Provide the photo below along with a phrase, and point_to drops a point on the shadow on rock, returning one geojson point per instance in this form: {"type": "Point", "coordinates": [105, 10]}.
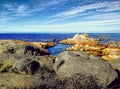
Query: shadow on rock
{"type": "Point", "coordinates": [115, 84]}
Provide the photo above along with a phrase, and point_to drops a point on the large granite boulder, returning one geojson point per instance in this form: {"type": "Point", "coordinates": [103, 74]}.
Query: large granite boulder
{"type": "Point", "coordinates": [70, 63]}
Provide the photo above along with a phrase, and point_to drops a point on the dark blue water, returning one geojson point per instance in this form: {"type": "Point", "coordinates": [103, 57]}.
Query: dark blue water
{"type": "Point", "coordinates": [56, 38]}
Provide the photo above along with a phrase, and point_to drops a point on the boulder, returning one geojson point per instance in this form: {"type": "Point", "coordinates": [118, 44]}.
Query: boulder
{"type": "Point", "coordinates": [27, 66]}
{"type": "Point", "coordinates": [70, 63]}
{"type": "Point", "coordinates": [8, 60]}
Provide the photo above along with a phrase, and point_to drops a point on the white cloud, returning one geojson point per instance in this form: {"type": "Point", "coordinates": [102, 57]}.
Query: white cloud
{"type": "Point", "coordinates": [106, 6]}
{"type": "Point", "coordinates": [22, 8]}
{"type": "Point", "coordinates": [104, 16]}
{"type": "Point", "coordinates": [15, 10]}
{"type": "Point", "coordinates": [9, 7]}
{"type": "Point", "coordinates": [81, 26]}
{"type": "Point", "coordinates": [85, 26]}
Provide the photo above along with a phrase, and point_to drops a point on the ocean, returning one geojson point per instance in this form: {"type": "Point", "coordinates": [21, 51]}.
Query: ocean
{"type": "Point", "coordinates": [56, 37]}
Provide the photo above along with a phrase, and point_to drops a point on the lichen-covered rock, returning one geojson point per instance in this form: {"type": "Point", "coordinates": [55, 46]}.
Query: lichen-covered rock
{"type": "Point", "coordinates": [83, 42]}
{"type": "Point", "coordinates": [74, 62]}
{"type": "Point", "coordinates": [44, 44]}
{"type": "Point", "coordinates": [113, 43]}
{"type": "Point", "coordinates": [20, 47]}
{"type": "Point", "coordinates": [111, 53]}
{"type": "Point", "coordinates": [78, 38]}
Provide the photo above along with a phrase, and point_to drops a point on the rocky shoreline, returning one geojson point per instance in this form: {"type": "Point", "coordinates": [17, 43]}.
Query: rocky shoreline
{"type": "Point", "coordinates": [88, 64]}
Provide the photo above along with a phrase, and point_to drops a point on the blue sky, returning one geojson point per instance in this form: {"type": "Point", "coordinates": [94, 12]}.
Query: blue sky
{"type": "Point", "coordinates": [60, 16]}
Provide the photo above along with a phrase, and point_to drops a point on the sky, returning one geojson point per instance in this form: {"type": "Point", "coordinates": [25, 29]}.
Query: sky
{"type": "Point", "coordinates": [61, 16]}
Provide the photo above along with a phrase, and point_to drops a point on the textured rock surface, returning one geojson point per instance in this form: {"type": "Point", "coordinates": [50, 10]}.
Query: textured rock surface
{"type": "Point", "coordinates": [70, 63]}
{"type": "Point", "coordinates": [116, 64]}
{"type": "Point", "coordinates": [83, 42]}
{"type": "Point", "coordinates": [12, 51]}
{"type": "Point", "coordinates": [27, 66]}
{"type": "Point", "coordinates": [44, 44]}
{"type": "Point", "coordinates": [112, 43]}
{"type": "Point", "coordinates": [20, 47]}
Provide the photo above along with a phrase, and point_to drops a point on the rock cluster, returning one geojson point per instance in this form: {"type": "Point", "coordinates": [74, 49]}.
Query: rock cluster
{"type": "Point", "coordinates": [21, 61]}
{"type": "Point", "coordinates": [83, 42]}
{"type": "Point", "coordinates": [28, 65]}
{"type": "Point", "coordinates": [21, 47]}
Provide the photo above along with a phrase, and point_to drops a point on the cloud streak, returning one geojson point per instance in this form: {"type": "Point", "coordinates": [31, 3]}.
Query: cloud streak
{"type": "Point", "coordinates": [103, 7]}
{"type": "Point", "coordinates": [15, 10]}
{"type": "Point", "coordinates": [84, 26]}
{"type": "Point", "coordinates": [39, 16]}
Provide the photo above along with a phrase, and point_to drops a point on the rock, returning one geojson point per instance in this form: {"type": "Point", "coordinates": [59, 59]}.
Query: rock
{"type": "Point", "coordinates": [115, 64]}
{"type": "Point", "coordinates": [74, 62]}
{"type": "Point", "coordinates": [111, 53]}
{"type": "Point", "coordinates": [44, 44]}
{"type": "Point", "coordinates": [67, 41]}
{"type": "Point", "coordinates": [27, 66]}
{"type": "Point", "coordinates": [104, 37]}
{"type": "Point", "coordinates": [78, 38]}
{"type": "Point", "coordinates": [20, 81]}
{"type": "Point", "coordinates": [7, 60]}
{"type": "Point", "coordinates": [113, 43]}
{"type": "Point", "coordinates": [83, 42]}
{"type": "Point", "coordinates": [20, 47]}
{"type": "Point", "coordinates": [46, 61]}
{"type": "Point", "coordinates": [81, 36]}
{"type": "Point", "coordinates": [78, 81]}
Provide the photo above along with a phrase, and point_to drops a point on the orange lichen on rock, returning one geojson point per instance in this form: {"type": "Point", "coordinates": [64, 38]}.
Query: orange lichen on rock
{"type": "Point", "coordinates": [79, 38]}
{"type": "Point", "coordinates": [83, 42]}
{"type": "Point", "coordinates": [111, 52]}
{"type": "Point", "coordinates": [44, 44]}
{"type": "Point", "coordinates": [39, 45]}
{"type": "Point", "coordinates": [21, 42]}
